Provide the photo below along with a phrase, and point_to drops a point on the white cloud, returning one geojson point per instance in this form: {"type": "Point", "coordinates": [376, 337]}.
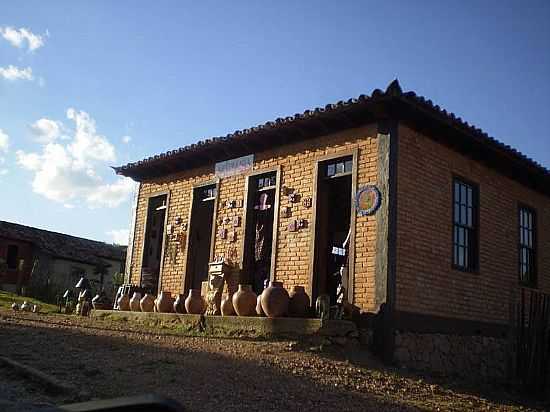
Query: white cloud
{"type": "Point", "coordinates": [111, 195]}
{"type": "Point", "coordinates": [13, 73]}
{"type": "Point", "coordinates": [119, 236]}
{"type": "Point", "coordinates": [22, 38]}
{"type": "Point", "coordinates": [4, 142]}
{"type": "Point", "coordinates": [46, 130]}
{"type": "Point", "coordinates": [126, 139]}
{"type": "Point", "coordinates": [72, 173]}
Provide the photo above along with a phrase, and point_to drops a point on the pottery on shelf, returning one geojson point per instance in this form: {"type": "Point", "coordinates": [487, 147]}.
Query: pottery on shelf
{"type": "Point", "coordinates": [244, 301]}
{"type": "Point", "coordinates": [134, 302]}
{"type": "Point", "coordinates": [259, 310]}
{"type": "Point", "coordinates": [195, 303]}
{"type": "Point", "coordinates": [124, 302]}
{"type": "Point", "coordinates": [164, 302]}
{"type": "Point", "coordinates": [275, 300]}
{"type": "Point", "coordinates": [147, 303]}
{"type": "Point", "coordinates": [179, 304]}
{"type": "Point", "coordinates": [226, 306]}
{"type": "Point", "coordinates": [299, 302]}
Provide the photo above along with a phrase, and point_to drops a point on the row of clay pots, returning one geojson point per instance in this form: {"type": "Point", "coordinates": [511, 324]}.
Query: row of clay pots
{"type": "Point", "coordinates": [273, 302]}
{"type": "Point", "coordinates": [164, 303]}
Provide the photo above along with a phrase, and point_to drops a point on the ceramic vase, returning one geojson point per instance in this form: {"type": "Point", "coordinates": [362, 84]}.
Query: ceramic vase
{"type": "Point", "coordinates": [259, 310]}
{"type": "Point", "coordinates": [85, 308]}
{"type": "Point", "coordinates": [195, 303]}
{"type": "Point", "coordinates": [275, 300]}
{"type": "Point", "coordinates": [124, 302]}
{"type": "Point", "coordinates": [99, 302]}
{"type": "Point", "coordinates": [226, 306]}
{"type": "Point", "coordinates": [147, 303]}
{"type": "Point", "coordinates": [134, 302]}
{"type": "Point", "coordinates": [164, 302]}
{"type": "Point", "coordinates": [299, 302]}
{"type": "Point", "coordinates": [244, 301]}
{"type": "Point", "coordinates": [179, 304]}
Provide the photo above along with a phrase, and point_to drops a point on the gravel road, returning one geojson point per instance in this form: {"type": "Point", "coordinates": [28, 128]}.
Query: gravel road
{"type": "Point", "coordinates": [110, 359]}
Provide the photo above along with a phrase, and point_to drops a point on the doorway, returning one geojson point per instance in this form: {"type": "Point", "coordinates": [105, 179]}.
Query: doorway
{"type": "Point", "coordinates": [153, 242]}
{"type": "Point", "coordinates": [261, 209]}
{"type": "Point", "coordinates": [199, 247]}
{"type": "Point", "coordinates": [333, 228]}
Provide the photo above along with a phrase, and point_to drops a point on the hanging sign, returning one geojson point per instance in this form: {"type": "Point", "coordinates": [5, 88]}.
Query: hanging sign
{"type": "Point", "coordinates": [367, 200]}
{"type": "Point", "coordinates": [234, 167]}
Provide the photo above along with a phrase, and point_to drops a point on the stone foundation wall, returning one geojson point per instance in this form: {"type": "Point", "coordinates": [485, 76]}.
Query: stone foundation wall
{"type": "Point", "coordinates": [474, 357]}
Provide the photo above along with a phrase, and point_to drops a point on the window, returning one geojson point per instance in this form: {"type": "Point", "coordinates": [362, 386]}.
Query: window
{"type": "Point", "coordinates": [465, 239]}
{"type": "Point", "coordinates": [339, 167]}
{"type": "Point", "coordinates": [527, 245]}
{"type": "Point", "coordinates": [208, 193]}
{"type": "Point", "coordinates": [267, 182]}
{"type": "Point", "coordinates": [11, 258]}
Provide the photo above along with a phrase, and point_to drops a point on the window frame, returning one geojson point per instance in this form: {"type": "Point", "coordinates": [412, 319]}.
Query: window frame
{"type": "Point", "coordinates": [473, 255]}
{"type": "Point", "coordinates": [532, 282]}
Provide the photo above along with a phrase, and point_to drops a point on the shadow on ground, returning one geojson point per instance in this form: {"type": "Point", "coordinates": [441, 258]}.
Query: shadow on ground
{"type": "Point", "coordinates": [111, 366]}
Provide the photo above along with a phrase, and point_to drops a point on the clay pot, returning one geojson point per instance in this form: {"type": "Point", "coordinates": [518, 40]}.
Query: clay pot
{"type": "Point", "coordinates": [124, 302]}
{"type": "Point", "coordinates": [85, 308]}
{"type": "Point", "coordinates": [147, 303]}
{"type": "Point", "coordinates": [244, 301]}
{"type": "Point", "coordinates": [299, 302]}
{"type": "Point", "coordinates": [227, 305]}
{"type": "Point", "coordinates": [179, 304]}
{"type": "Point", "coordinates": [195, 303]}
{"type": "Point", "coordinates": [275, 300]}
{"type": "Point", "coordinates": [134, 302]}
{"type": "Point", "coordinates": [259, 310]}
{"type": "Point", "coordinates": [100, 302]}
{"type": "Point", "coordinates": [164, 302]}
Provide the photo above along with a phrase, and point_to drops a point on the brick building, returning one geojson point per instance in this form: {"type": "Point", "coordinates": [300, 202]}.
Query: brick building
{"type": "Point", "coordinates": [462, 219]}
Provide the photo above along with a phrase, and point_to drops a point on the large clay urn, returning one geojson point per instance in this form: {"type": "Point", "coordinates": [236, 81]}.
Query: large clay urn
{"type": "Point", "coordinates": [179, 304]}
{"type": "Point", "coordinates": [164, 302]}
{"type": "Point", "coordinates": [195, 303]}
{"type": "Point", "coordinates": [124, 302]}
{"type": "Point", "coordinates": [134, 302]}
{"type": "Point", "coordinates": [259, 310]}
{"type": "Point", "coordinates": [100, 302]}
{"type": "Point", "coordinates": [147, 303]}
{"type": "Point", "coordinates": [299, 302]}
{"type": "Point", "coordinates": [244, 301]}
{"type": "Point", "coordinates": [275, 300]}
{"type": "Point", "coordinates": [226, 306]}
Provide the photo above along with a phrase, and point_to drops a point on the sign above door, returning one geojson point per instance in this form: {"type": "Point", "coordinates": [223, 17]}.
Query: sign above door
{"type": "Point", "coordinates": [234, 167]}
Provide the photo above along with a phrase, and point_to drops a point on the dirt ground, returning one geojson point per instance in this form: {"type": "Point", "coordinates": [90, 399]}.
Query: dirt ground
{"type": "Point", "coordinates": [110, 359]}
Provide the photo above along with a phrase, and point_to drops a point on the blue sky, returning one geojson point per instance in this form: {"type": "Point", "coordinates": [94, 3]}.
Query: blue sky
{"type": "Point", "coordinates": [167, 73]}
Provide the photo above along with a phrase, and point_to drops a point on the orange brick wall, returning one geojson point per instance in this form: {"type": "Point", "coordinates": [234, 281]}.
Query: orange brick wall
{"type": "Point", "coordinates": [426, 283]}
{"type": "Point", "coordinates": [297, 162]}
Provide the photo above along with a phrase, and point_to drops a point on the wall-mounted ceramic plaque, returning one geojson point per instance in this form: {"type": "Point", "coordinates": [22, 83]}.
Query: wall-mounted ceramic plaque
{"type": "Point", "coordinates": [367, 200]}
